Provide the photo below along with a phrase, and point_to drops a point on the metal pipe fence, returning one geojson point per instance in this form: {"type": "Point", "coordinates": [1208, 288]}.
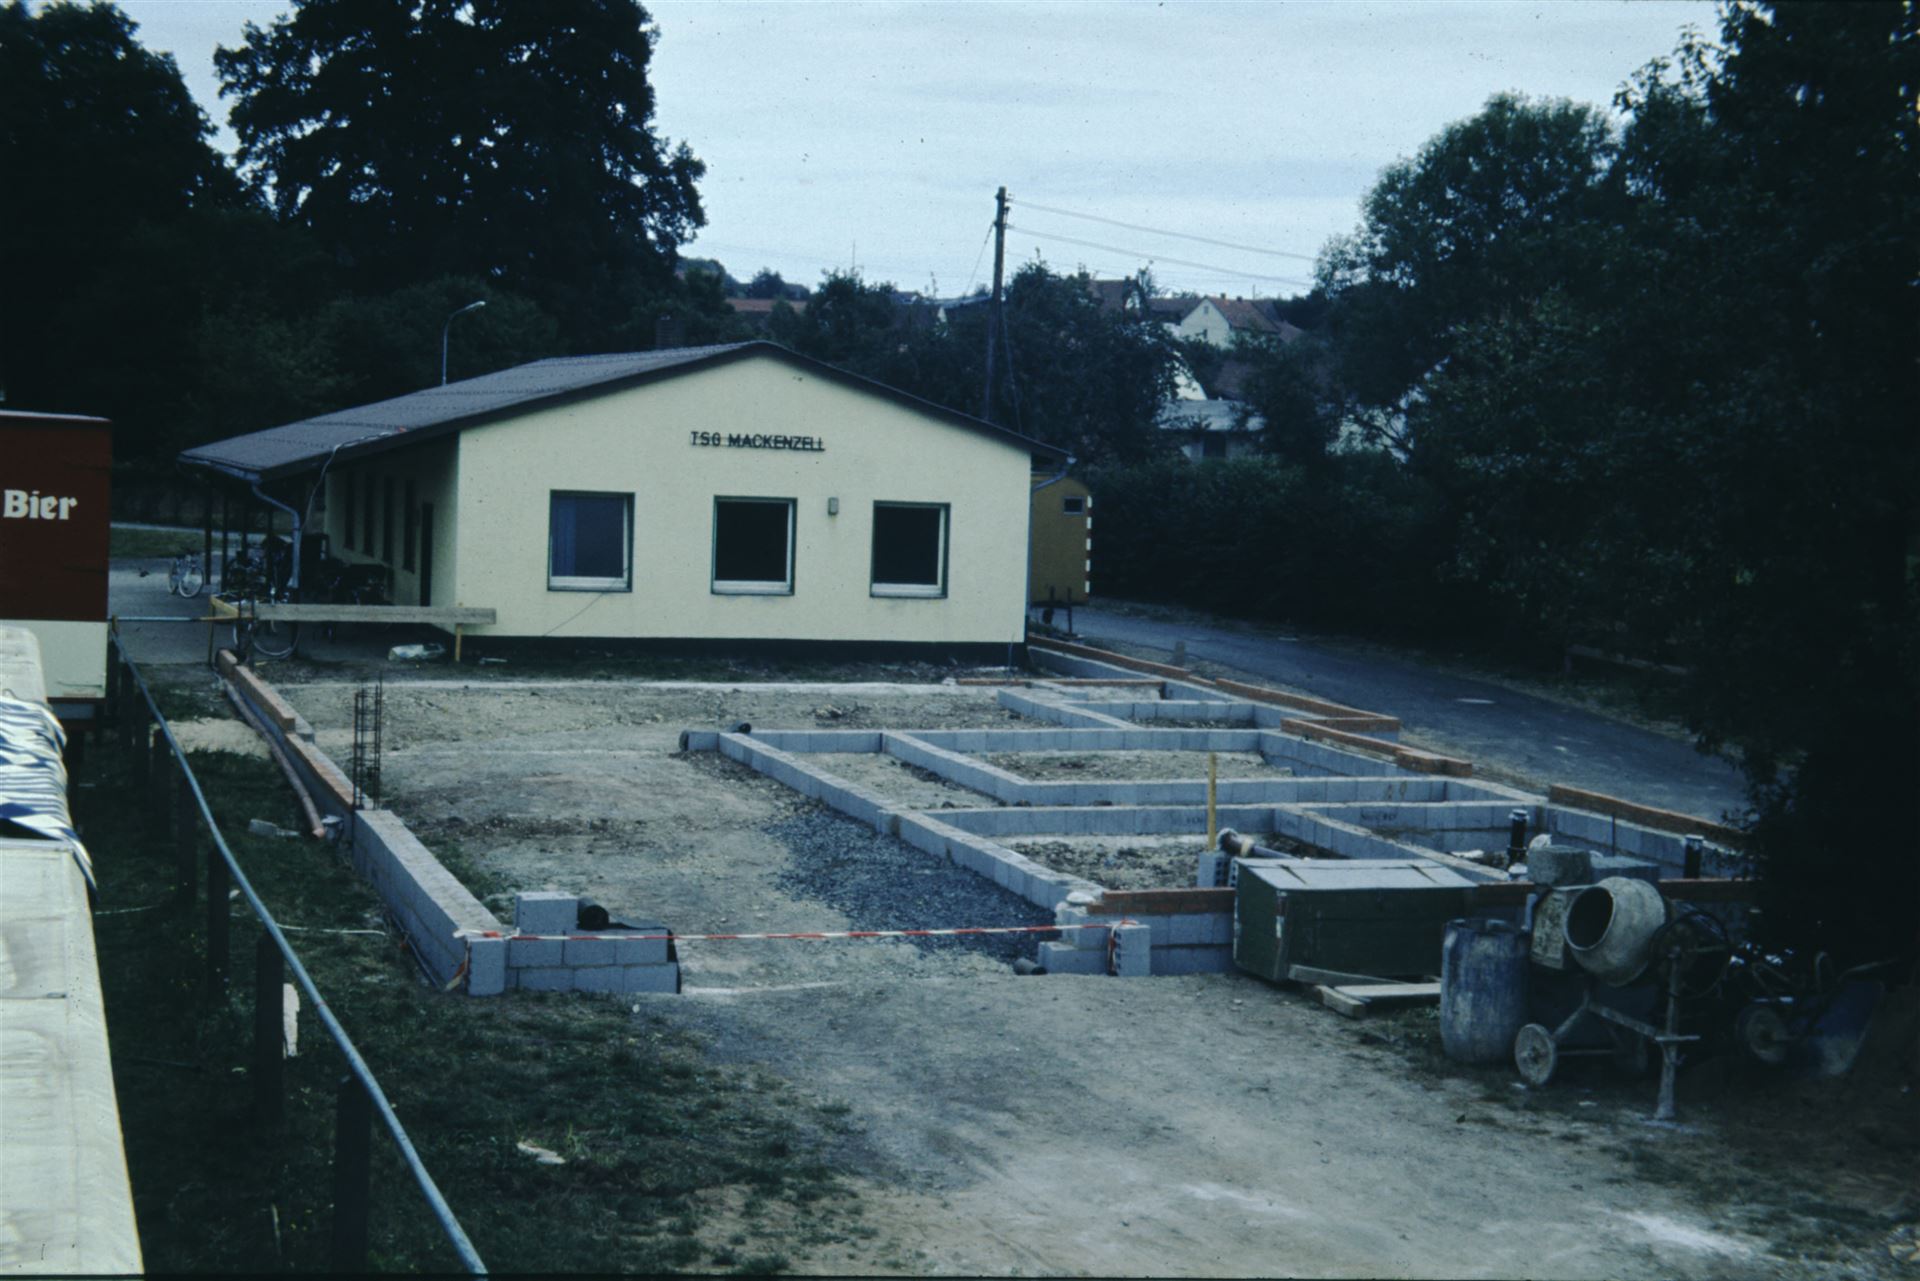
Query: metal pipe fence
{"type": "Point", "coordinates": [360, 1100]}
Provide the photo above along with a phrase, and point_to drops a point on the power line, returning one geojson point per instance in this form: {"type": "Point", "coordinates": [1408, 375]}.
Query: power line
{"type": "Point", "coordinates": [1178, 262]}
{"type": "Point", "coordinates": [1161, 231]}
{"type": "Point", "coordinates": [976, 261]}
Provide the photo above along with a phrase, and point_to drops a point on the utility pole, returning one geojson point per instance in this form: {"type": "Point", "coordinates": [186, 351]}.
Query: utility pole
{"type": "Point", "coordinates": [994, 318]}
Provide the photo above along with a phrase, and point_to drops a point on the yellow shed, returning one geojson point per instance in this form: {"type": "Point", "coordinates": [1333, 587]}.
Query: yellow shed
{"type": "Point", "coordinates": [1060, 557]}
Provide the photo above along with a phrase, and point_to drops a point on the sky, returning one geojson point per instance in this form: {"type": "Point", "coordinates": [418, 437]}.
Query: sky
{"type": "Point", "coordinates": [874, 135]}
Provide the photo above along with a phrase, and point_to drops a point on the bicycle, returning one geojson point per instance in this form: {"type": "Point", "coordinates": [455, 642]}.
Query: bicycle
{"type": "Point", "coordinates": [249, 583]}
{"type": "Point", "coordinates": [186, 578]}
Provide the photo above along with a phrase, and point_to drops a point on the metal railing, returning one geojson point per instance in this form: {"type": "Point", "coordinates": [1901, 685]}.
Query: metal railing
{"type": "Point", "coordinates": [359, 1097]}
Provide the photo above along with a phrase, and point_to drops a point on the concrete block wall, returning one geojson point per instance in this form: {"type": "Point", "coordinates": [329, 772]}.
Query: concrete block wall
{"type": "Point", "coordinates": [437, 913]}
{"type": "Point", "coordinates": [1187, 942]}
{"type": "Point", "coordinates": [1667, 849]}
{"type": "Point", "coordinates": [956, 768]}
{"type": "Point", "coordinates": [1138, 944]}
{"type": "Point", "coordinates": [448, 928]}
{"type": "Point", "coordinates": [1215, 710]}
{"type": "Point", "coordinates": [1309, 758]}
{"type": "Point", "coordinates": [1057, 710]}
{"type": "Point", "coordinates": [548, 952]}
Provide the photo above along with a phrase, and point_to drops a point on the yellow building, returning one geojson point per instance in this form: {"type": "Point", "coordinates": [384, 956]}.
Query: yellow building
{"type": "Point", "coordinates": [1060, 560]}
{"type": "Point", "coordinates": [738, 492]}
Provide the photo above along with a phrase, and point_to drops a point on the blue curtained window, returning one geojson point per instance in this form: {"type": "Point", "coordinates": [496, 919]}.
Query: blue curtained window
{"type": "Point", "coordinates": [591, 542]}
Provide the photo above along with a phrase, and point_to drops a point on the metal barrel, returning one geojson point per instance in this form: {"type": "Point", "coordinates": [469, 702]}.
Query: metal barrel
{"type": "Point", "coordinates": [1483, 989]}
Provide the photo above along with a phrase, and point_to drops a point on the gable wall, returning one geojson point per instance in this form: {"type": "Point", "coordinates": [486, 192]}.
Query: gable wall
{"type": "Point", "coordinates": [641, 442]}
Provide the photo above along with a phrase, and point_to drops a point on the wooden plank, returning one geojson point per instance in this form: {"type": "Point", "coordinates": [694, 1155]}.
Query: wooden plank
{"type": "Point", "coordinates": [1339, 1003]}
{"type": "Point", "coordinates": [1314, 975]}
{"type": "Point", "coordinates": [1321, 730]}
{"type": "Point", "coordinates": [1660, 820]}
{"type": "Point", "coordinates": [1167, 902]}
{"type": "Point", "coordinates": [1432, 763]}
{"type": "Point", "coordinates": [1392, 993]}
{"type": "Point", "coordinates": [1118, 660]}
{"type": "Point", "coordinates": [1364, 724]}
{"type": "Point", "coordinates": [450, 615]}
{"type": "Point", "coordinates": [1299, 702]}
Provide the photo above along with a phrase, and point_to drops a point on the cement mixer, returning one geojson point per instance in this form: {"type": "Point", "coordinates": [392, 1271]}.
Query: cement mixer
{"type": "Point", "coordinates": [1619, 932]}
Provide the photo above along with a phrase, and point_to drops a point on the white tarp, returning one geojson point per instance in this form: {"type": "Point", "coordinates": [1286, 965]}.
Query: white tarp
{"type": "Point", "coordinates": [33, 779]}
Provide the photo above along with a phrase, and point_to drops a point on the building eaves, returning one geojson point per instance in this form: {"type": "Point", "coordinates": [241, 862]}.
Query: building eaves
{"type": "Point", "coordinates": [311, 443]}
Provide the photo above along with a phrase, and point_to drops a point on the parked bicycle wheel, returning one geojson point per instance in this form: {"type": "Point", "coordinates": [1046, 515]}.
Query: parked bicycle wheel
{"type": "Point", "coordinates": [275, 639]}
{"type": "Point", "coordinates": [186, 578]}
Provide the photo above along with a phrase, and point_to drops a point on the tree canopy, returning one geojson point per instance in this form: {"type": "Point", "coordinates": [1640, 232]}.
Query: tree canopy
{"type": "Point", "coordinates": [1651, 388]}
{"type": "Point", "coordinates": [511, 142]}
{"type": "Point", "coordinates": [103, 155]}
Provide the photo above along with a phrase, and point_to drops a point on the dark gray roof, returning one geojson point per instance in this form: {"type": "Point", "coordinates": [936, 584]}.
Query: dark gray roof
{"type": "Point", "coordinates": [348, 433]}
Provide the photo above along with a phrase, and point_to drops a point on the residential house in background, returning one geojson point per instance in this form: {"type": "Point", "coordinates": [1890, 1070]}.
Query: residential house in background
{"type": "Point", "coordinates": [1218, 321]}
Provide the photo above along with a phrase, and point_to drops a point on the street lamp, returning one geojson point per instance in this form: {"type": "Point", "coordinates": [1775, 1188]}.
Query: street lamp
{"type": "Point", "coordinates": [446, 329]}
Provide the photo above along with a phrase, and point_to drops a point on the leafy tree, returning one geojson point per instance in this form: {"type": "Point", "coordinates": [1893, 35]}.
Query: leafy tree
{"type": "Point", "coordinates": [847, 322]}
{"type": "Point", "coordinates": [1663, 386]}
{"type": "Point", "coordinates": [389, 344]}
{"type": "Point", "coordinates": [1494, 211]}
{"type": "Point", "coordinates": [103, 158]}
{"type": "Point", "coordinates": [1089, 381]}
{"type": "Point", "coordinates": [1782, 179]}
{"type": "Point", "coordinates": [1289, 386]}
{"type": "Point", "coordinates": [426, 138]}
{"type": "Point", "coordinates": [768, 283]}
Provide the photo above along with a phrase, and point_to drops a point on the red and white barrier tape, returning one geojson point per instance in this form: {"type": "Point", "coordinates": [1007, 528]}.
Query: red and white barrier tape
{"type": "Point", "coordinates": [816, 934]}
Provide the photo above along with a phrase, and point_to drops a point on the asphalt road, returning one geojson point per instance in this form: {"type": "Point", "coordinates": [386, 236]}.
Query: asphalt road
{"type": "Point", "coordinates": [1538, 741]}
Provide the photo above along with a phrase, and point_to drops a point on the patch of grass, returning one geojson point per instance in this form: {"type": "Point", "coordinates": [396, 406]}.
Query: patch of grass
{"type": "Point", "coordinates": [648, 1127]}
{"type": "Point", "coordinates": [152, 544]}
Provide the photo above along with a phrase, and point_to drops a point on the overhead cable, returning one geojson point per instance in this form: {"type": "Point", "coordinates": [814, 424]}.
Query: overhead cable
{"type": "Point", "coordinates": [977, 259]}
{"type": "Point", "coordinates": [1178, 262]}
{"type": "Point", "coordinates": [1161, 231]}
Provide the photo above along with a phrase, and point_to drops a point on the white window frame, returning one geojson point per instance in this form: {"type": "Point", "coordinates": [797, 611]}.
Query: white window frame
{"type": "Point", "coordinates": [914, 591]}
{"type": "Point", "coordinates": [581, 583]}
{"type": "Point", "coordinates": [750, 587]}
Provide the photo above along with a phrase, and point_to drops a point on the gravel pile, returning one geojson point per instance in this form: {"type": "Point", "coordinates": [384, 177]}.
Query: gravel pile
{"type": "Point", "coordinates": [881, 883]}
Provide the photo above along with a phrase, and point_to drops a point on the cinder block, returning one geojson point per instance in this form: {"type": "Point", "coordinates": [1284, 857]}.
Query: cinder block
{"type": "Point", "coordinates": [1159, 930]}
{"type": "Point", "coordinates": [486, 966]}
{"type": "Point", "coordinates": [535, 953]}
{"type": "Point", "coordinates": [599, 978]}
{"type": "Point", "coordinates": [640, 951]}
{"type": "Point", "coordinates": [1133, 951]}
{"type": "Point", "coordinates": [546, 912]}
{"type": "Point", "coordinates": [1192, 960]}
{"type": "Point", "coordinates": [1061, 959]}
{"type": "Point", "coordinates": [1186, 929]}
{"type": "Point", "coordinates": [584, 952]}
{"type": "Point", "coordinates": [650, 978]}
{"type": "Point", "coordinates": [545, 978]}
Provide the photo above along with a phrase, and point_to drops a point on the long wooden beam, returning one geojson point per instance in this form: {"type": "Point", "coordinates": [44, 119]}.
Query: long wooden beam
{"type": "Point", "coordinates": [1578, 798]}
{"type": "Point", "coordinates": [450, 615]}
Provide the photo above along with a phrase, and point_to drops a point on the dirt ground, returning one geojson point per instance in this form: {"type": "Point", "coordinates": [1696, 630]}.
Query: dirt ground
{"type": "Point", "coordinates": [1210, 1125]}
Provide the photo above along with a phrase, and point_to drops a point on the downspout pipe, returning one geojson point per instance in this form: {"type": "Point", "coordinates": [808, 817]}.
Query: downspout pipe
{"type": "Point", "coordinates": [293, 579]}
{"type": "Point", "coordinates": [1066, 465]}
